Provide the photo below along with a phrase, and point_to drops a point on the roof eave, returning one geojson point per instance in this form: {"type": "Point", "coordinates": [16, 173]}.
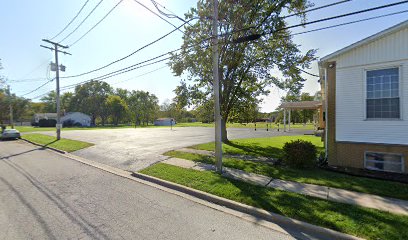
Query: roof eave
{"type": "Point", "coordinates": [334, 55]}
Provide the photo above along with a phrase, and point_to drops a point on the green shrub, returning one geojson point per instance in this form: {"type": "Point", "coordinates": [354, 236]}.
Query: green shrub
{"type": "Point", "coordinates": [299, 154]}
{"type": "Point", "coordinates": [47, 122]}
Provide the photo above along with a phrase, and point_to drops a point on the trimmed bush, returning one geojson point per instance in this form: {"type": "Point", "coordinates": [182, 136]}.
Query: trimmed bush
{"type": "Point", "coordinates": [299, 154]}
{"type": "Point", "coordinates": [47, 122]}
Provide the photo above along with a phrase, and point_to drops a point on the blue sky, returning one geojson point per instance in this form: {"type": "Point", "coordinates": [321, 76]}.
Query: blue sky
{"type": "Point", "coordinates": [25, 22]}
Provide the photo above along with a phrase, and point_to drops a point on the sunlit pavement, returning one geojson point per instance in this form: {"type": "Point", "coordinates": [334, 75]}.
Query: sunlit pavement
{"type": "Point", "coordinates": [134, 149]}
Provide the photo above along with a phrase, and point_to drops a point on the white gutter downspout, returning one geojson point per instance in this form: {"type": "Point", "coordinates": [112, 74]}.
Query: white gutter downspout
{"type": "Point", "coordinates": [326, 115]}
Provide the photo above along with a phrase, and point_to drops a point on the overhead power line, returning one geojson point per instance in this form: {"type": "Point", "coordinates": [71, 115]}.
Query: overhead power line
{"type": "Point", "coordinates": [339, 16]}
{"type": "Point", "coordinates": [80, 24]}
{"type": "Point", "coordinates": [351, 22]}
{"type": "Point", "coordinates": [132, 67]}
{"type": "Point", "coordinates": [148, 9]}
{"type": "Point", "coordinates": [37, 88]}
{"type": "Point", "coordinates": [141, 75]}
{"type": "Point", "coordinates": [317, 8]}
{"type": "Point", "coordinates": [115, 73]}
{"type": "Point", "coordinates": [176, 28]}
{"type": "Point", "coordinates": [172, 15]}
{"type": "Point", "coordinates": [371, 9]}
{"type": "Point", "coordinates": [26, 80]}
{"type": "Point", "coordinates": [72, 20]}
{"type": "Point", "coordinates": [127, 56]}
{"type": "Point", "coordinates": [178, 50]}
{"type": "Point", "coordinates": [94, 26]}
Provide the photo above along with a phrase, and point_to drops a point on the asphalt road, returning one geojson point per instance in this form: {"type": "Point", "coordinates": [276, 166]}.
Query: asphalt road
{"type": "Point", "coordinates": [44, 195]}
{"type": "Point", "coordinates": [135, 149]}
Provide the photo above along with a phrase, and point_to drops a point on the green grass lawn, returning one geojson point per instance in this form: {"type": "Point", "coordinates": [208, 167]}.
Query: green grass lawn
{"type": "Point", "coordinates": [313, 176]}
{"type": "Point", "coordinates": [67, 145]}
{"type": "Point", "coordinates": [267, 147]}
{"type": "Point", "coordinates": [354, 220]}
{"type": "Point", "coordinates": [272, 147]}
{"type": "Point", "coordinates": [260, 125]}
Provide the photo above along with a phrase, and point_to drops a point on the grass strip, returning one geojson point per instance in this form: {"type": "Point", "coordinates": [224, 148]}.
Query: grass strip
{"type": "Point", "coordinates": [350, 219]}
{"type": "Point", "coordinates": [313, 176]}
{"type": "Point", "coordinates": [63, 144]}
{"type": "Point", "coordinates": [266, 147]}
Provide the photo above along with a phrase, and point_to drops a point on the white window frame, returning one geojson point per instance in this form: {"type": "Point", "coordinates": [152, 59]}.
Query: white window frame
{"type": "Point", "coordinates": [400, 92]}
{"type": "Point", "coordinates": [395, 154]}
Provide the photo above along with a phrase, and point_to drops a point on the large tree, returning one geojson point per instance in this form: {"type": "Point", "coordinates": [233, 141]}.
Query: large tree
{"type": "Point", "coordinates": [50, 102]}
{"type": "Point", "coordinates": [246, 67]}
{"type": "Point", "coordinates": [117, 108]}
{"type": "Point", "coordinates": [143, 106]}
{"type": "Point", "coordinates": [90, 97]}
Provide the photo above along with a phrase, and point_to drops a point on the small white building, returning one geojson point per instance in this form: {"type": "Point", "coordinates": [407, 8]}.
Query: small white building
{"type": "Point", "coordinates": [164, 122]}
{"type": "Point", "coordinates": [77, 118]}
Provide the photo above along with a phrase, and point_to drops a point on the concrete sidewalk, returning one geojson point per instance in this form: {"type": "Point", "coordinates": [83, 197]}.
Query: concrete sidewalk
{"type": "Point", "coordinates": [333, 194]}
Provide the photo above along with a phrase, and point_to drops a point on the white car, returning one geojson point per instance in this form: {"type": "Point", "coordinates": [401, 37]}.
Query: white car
{"type": "Point", "coordinates": [10, 134]}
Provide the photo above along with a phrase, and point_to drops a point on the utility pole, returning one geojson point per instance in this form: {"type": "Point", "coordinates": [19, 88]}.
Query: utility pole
{"type": "Point", "coordinates": [10, 106]}
{"type": "Point", "coordinates": [57, 68]}
{"type": "Point", "coordinates": [216, 85]}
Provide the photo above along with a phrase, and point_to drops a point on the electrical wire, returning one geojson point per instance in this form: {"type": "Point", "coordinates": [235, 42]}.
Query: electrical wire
{"type": "Point", "coordinates": [172, 15]}
{"type": "Point", "coordinates": [338, 16]}
{"type": "Point", "coordinates": [80, 24]}
{"type": "Point", "coordinates": [176, 28]}
{"type": "Point", "coordinates": [141, 75]}
{"type": "Point", "coordinates": [326, 19]}
{"type": "Point", "coordinates": [317, 8]}
{"type": "Point", "coordinates": [110, 11]}
{"type": "Point", "coordinates": [157, 15]}
{"type": "Point", "coordinates": [26, 80]}
{"type": "Point", "coordinates": [112, 74]}
{"type": "Point", "coordinates": [127, 56]}
{"type": "Point", "coordinates": [37, 88]}
{"type": "Point", "coordinates": [72, 20]}
{"type": "Point", "coordinates": [347, 23]}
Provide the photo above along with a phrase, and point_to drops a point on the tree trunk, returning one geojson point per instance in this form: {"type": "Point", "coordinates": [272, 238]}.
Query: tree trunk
{"type": "Point", "coordinates": [224, 135]}
{"type": "Point", "coordinates": [93, 120]}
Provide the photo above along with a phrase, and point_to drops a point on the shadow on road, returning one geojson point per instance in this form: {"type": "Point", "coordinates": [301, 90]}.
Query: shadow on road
{"type": "Point", "coordinates": [42, 147]}
{"type": "Point", "coordinates": [88, 228]}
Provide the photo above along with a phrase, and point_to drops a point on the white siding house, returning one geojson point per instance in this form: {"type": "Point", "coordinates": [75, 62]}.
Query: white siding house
{"type": "Point", "coordinates": [370, 103]}
{"type": "Point", "coordinates": [387, 51]}
{"type": "Point", "coordinates": [77, 117]}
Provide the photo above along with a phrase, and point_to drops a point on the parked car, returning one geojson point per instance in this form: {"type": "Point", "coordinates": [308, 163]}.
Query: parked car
{"type": "Point", "coordinates": [10, 134]}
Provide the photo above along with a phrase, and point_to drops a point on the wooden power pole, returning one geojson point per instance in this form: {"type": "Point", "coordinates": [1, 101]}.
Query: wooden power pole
{"type": "Point", "coordinates": [57, 68]}
{"type": "Point", "coordinates": [216, 85]}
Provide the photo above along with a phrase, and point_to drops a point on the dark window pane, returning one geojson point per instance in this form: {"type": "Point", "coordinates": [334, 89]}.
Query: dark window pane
{"type": "Point", "coordinates": [383, 93]}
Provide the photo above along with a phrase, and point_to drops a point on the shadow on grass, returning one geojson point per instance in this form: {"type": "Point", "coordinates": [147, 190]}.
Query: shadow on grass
{"type": "Point", "coordinates": [351, 219]}
{"type": "Point", "coordinates": [47, 144]}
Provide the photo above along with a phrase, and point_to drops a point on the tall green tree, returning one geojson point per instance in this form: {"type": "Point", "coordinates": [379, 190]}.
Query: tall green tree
{"type": "Point", "coordinates": [245, 68]}
{"type": "Point", "coordinates": [90, 97]}
{"type": "Point", "coordinates": [66, 104]}
{"type": "Point", "coordinates": [143, 107]}
{"type": "Point", "coordinates": [117, 108]}
{"type": "Point", "coordinates": [50, 101]}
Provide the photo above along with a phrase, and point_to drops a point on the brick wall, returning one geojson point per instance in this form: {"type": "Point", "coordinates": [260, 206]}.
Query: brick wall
{"type": "Point", "coordinates": [352, 154]}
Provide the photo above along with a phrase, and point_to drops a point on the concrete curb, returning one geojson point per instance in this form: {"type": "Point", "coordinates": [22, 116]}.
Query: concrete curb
{"type": "Point", "coordinates": [257, 212]}
{"type": "Point", "coordinates": [51, 148]}
{"type": "Point", "coordinates": [191, 193]}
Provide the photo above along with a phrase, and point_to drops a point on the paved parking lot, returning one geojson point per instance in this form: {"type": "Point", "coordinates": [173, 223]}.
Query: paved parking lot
{"type": "Point", "coordinates": [134, 149]}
